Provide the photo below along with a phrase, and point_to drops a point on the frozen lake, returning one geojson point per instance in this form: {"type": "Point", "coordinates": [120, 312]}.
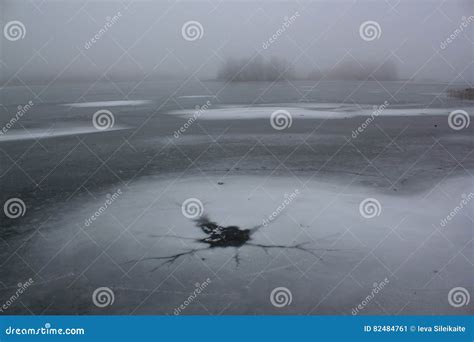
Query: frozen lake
{"type": "Point", "coordinates": [309, 208]}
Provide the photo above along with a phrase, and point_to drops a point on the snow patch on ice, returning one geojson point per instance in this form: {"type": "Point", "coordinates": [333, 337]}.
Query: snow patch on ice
{"type": "Point", "coordinates": [308, 111]}
{"type": "Point", "coordinates": [107, 103]}
{"type": "Point", "coordinates": [41, 133]}
{"type": "Point", "coordinates": [195, 96]}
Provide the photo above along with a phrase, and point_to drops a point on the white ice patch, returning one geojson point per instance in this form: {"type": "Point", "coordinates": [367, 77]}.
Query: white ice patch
{"type": "Point", "coordinates": [107, 103]}
{"type": "Point", "coordinates": [315, 212]}
{"type": "Point", "coordinates": [41, 133]}
{"type": "Point", "coordinates": [195, 96]}
{"type": "Point", "coordinates": [223, 113]}
{"type": "Point", "coordinates": [309, 111]}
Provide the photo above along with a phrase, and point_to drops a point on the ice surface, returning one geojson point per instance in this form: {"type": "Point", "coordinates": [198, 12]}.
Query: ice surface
{"type": "Point", "coordinates": [349, 253]}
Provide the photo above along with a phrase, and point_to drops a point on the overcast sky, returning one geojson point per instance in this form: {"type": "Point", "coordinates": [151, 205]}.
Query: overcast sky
{"type": "Point", "coordinates": [147, 38]}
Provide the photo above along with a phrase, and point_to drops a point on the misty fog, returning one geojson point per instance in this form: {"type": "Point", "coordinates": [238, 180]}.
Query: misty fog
{"type": "Point", "coordinates": [309, 39]}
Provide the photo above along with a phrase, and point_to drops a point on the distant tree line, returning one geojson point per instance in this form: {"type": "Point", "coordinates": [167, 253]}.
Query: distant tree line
{"type": "Point", "coordinates": [465, 94]}
{"type": "Point", "coordinates": [255, 69]}
{"type": "Point", "coordinates": [278, 69]}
